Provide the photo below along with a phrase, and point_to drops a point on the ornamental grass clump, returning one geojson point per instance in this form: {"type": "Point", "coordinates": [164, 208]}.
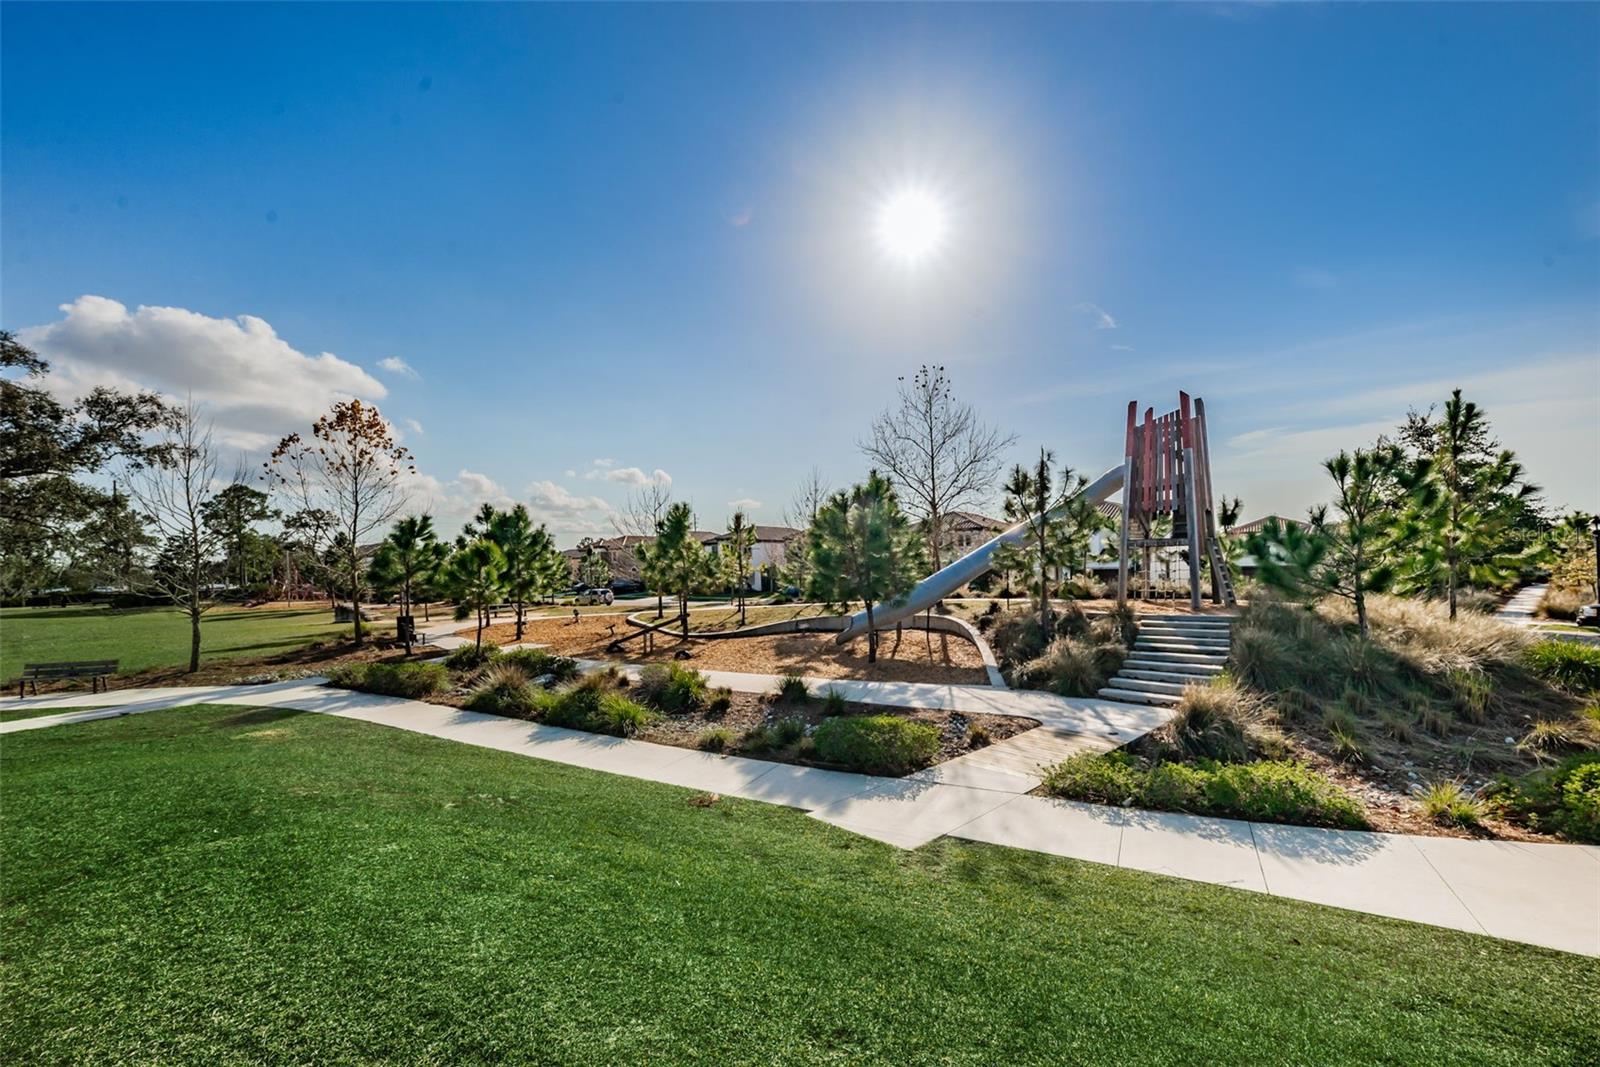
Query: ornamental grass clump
{"type": "Point", "coordinates": [504, 689]}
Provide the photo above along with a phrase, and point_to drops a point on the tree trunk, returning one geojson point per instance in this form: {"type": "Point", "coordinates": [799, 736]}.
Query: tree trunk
{"type": "Point", "coordinates": [355, 596]}
{"type": "Point", "coordinates": [194, 637]}
{"type": "Point", "coordinates": [872, 636]}
{"type": "Point", "coordinates": [519, 620]}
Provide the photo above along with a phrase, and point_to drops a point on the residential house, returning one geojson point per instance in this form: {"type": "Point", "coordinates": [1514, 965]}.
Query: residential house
{"type": "Point", "coordinates": [767, 556]}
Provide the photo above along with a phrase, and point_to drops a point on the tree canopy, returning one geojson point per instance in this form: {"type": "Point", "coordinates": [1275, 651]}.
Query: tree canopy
{"type": "Point", "coordinates": [864, 547]}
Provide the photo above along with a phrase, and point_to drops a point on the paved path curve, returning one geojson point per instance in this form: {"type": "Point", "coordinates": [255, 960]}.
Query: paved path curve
{"type": "Point", "coordinates": [1542, 894]}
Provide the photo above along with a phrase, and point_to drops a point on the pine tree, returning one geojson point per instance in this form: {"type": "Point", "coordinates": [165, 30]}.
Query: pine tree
{"type": "Point", "coordinates": [737, 546]}
{"type": "Point", "coordinates": [409, 557]}
{"type": "Point", "coordinates": [1472, 518]}
{"type": "Point", "coordinates": [1345, 558]}
{"type": "Point", "coordinates": [475, 579]}
{"type": "Point", "coordinates": [863, 547]}
{"type": "Point", "coordinates": [1059, 522]}
{"type": "Point", "coordinates": [679, 561]}
{"type": "Point", "coordinates": [527, 549]}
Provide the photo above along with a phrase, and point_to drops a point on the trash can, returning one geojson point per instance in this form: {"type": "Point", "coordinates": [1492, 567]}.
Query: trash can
{"type": "Point", "coordinates": [405, 627]}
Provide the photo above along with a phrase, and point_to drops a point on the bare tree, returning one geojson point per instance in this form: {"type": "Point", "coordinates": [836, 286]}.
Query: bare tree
{"type": "Point", "coordinates": [177, 493]}
{"type": "Point", "coordinates": [352, 470]}
{"type": "Point", "coordinates": [643, 511]}
{"type": "Point", "coordinates": [939, 454]}
{"type": "Point", "coordinates": [801, 514]}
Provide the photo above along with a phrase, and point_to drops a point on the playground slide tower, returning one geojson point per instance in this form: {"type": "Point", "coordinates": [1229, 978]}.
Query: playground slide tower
{"type": "Point", "coordinates": [1165, 463]}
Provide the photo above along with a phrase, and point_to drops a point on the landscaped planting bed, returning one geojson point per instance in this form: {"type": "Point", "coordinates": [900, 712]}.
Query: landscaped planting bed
{"type": "Point", "coordinates": [672, 704]}
{"type": "Point", "coordinates": [1429, 726]}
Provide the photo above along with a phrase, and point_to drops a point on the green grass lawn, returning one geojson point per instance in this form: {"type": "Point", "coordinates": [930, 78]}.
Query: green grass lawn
{"type": "Point", "coordinates": [153, 637]}
{"type": "Point", "coordinates": [233, 884]}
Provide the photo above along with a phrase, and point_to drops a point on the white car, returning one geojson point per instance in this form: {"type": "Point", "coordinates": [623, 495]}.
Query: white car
{"type": "Point", "coordinates": [594, 596]}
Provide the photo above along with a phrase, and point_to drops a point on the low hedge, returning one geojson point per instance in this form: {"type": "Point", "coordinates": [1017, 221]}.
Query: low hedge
{"type": "Point", "coordinates": [471, 657]}
{"type": "Point", "coordinates": [1262, 791]}
{"type": "Point", "coordinates": [414, 680]}
{"type": "Point", "coordinates": [877, 744]}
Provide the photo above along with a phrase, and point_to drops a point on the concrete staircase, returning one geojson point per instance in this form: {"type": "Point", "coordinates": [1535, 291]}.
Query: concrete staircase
{"type": "Point", "coordinates": [1170, 652]}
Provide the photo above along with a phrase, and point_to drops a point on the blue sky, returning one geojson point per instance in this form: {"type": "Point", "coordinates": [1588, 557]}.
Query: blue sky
{"type": "Point", "coordinates": [644, 235]}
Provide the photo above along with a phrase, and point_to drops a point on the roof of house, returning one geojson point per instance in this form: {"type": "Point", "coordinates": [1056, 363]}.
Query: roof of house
{"type": "Point", "coordinates": [971, 520]}
{"type": "Point", "coordinates": [772, 534]}
{"type": "Point", "coordinates": [1255, 524]}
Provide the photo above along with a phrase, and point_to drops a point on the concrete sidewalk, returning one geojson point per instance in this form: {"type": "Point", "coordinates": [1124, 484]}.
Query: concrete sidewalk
{"type": "Point", "coordinates": [1542, 894]}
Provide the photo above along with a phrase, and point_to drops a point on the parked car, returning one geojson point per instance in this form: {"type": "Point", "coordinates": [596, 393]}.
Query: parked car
{"type": "Point", "coordinates": [622, 586]}
{"type": "Point", "coordinates": [1588, 615]}
{"type": "Point", "coordinates": [594, 596]}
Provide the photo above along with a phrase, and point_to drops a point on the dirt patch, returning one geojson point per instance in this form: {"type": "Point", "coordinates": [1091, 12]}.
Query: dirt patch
{"type": "Point", "coordinates": [919, 658]}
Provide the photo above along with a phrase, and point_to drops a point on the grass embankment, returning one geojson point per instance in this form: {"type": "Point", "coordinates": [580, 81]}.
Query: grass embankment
{"type": "Point", "coordinates": [226, 884]}
{"type": "Point", "coordinates": [143, 638]}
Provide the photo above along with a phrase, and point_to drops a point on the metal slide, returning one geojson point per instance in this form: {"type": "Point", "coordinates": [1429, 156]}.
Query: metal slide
{"type": "Point", "coordinates": [941, 583]}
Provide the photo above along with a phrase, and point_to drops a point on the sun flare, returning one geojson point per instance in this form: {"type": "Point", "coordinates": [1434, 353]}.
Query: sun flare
{"type": "Point", "coordinates": [911, 225]}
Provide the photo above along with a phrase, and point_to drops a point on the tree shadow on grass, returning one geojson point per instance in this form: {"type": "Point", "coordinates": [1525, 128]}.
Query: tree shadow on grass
{"type": "Point", "coordinates": [258, 717]}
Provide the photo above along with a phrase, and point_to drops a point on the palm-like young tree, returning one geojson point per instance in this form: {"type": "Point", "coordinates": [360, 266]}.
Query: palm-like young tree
{"type": "Point", "coordinates": [679, 561]}
{"type": "Point", "coordinates": [409, 557]}
{"type": "Point", "coordinates": [1346, 558]}
{"type": "Point", "coordinates": [1036, 498]}
{"type": "Point", "coordinates": [863, 547]}
{"type": "Point", "coordinates": [527, 549]}
{"type": "Point", "coordinates": [475, 578]}
{"type": "Point", "coordinates": [1472, 513]}
{"type": "Point", "coordinates": [737, 547]}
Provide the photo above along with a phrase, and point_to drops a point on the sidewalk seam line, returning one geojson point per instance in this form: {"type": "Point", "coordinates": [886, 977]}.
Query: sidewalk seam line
{"type": "Point", "coordinates": [1451, 889]}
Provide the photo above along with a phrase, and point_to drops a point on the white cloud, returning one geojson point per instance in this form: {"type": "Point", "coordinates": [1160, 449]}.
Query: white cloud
{"type": "Point", "coordinates": [566, 512]}
{"type": "Point", "coordinates": [607, 470]}
{"type": "Point", "coordinates": [1099, 316]}
{"type": "Point", "coordinates": [397, 366]}
{"type": "Point", "coordinates": [1122, 348]}
{"type": "Point", "coordinates": [571, 473]}
{"type": "Point", "coordinates": [414, 426]}
{"type": "Point", "coordinates": [636, 477]}
{"type": "Point", "coordinates": [744, 504]}
{"type": "Point", "coordinates": [253, 383]}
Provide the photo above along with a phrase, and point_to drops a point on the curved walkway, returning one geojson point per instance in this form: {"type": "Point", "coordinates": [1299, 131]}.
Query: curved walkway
{"type": "Point", "coordinates": [1542, 894]}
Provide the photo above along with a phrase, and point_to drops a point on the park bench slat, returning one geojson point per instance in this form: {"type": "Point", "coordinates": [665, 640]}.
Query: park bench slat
{"type": "Point", "coordinates": [96, 670]}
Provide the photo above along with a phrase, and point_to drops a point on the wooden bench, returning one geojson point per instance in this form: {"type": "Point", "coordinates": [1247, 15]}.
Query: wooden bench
{"type": "Point", "coordinates": [97, 671]}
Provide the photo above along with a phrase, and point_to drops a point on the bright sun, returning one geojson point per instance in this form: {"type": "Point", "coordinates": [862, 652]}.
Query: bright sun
{"type": "Point", "coordinates": [911, 225]}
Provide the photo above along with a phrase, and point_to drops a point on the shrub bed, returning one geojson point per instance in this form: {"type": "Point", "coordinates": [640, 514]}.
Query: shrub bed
{"type": "Point", "coordinates": [470, 657]}
{"type": "Point", "coordinates": [414, 680]}
{"type": "Point", "coordinates": [1568, 664]}
{"type": "Point", "coordinates": [1263, 791]}
{"type": "Point", "coordinates": [1564, 799]}
{"type": "Point", "coordinates": [597, 705]}
{"type": "Point", "coordinates": [876, 744]}
{"type": "Point", "coordinates": [538, 663]}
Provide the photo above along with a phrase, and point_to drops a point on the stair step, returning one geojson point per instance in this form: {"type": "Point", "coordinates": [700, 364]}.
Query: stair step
{"type": "Point", "coordinates": [1200, 670]}
{"type": "Point", "coordinates": [1187, 627]}
{"type": "Point", "coordinates": [1141, 685]}
{"type": "Point", "coordinates": [1163, 644]}
{"type": "Point", "coordinates": [1130, 696]}
{"type": "Point", "coordinates": [1150, 674]}
{"type": "Point", "coordinates": [1164, 655]}
{"type": "Point", "coordinates": [1185, 620]}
